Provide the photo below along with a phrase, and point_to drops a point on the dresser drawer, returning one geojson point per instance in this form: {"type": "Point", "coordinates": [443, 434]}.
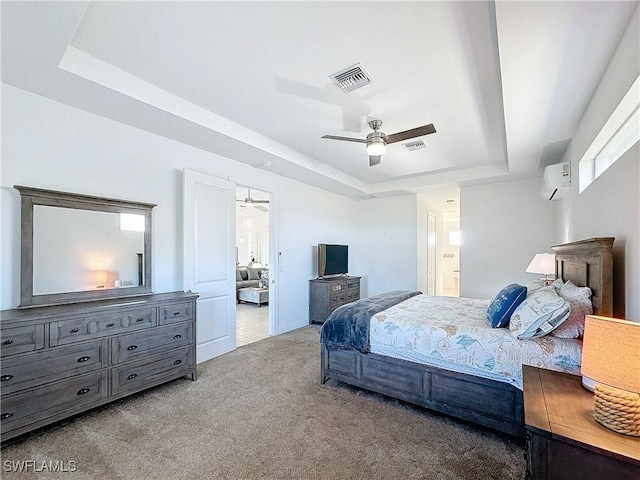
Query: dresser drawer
{"type": "Point", "coordinates": [178, 312]}
{"type": "Point", "coordinates": [86, 328]}
{"type": "Point", "coordinates": [129, 347]}
{"type": "Point", "coordinates": [33, 405]}
{"type": "Point", "coordinates": [152, 369]}
{"type": "Point", "coordinates": [21, 339]}
{"type": "Point", "coordinates": [17, 373]}
{"type": "Point", "coordinates": [337, 300]}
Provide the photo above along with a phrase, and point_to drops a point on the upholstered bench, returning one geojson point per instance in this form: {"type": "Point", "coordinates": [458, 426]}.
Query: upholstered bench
{"type": "Point", "coordinates": [254, 295]}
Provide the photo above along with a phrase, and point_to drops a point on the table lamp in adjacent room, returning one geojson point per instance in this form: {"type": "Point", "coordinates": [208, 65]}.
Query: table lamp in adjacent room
{"type": "Point", "coordinates": [611, 369]}
{"type": "Point", "coordinates": [543, 263]}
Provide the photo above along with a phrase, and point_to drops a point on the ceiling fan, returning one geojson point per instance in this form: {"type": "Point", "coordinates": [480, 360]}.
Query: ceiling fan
{"type": "Point", "coordinates": [377, 141]}
{"type": "Point", "coordinates": [250, 202]}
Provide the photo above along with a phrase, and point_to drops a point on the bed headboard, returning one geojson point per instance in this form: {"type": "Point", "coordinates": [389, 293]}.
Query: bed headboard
{"type": "Point", "coordinates": [589, 263]}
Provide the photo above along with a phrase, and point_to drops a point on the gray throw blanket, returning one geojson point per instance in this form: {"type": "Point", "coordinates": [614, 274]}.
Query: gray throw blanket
{"type": "Point", "coordinates": [347, 328]}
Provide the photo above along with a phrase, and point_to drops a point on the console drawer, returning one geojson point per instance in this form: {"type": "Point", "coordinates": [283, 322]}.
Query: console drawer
{"type": "Point", "coordinates": [178, 312]}
{"type": "Point", "coordinates": [33, 405]}
{"type": "Point", "coordinates": [21, 339]}
{"type": "Point", "coordinates": [86, 328]}
{"type": "Point", "coordinates": [151, 370]}
{"type": "Point", "coordinates": [129, 347]}
{"type": "Point", "coordinates": [337, 300]}
{"type": "Point", "coordinates": [51, 365]}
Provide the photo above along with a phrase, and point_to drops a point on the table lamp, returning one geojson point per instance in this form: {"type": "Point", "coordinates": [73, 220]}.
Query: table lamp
{"type": "Point", "coordinates": [100, 277]}
{"type": "Point", "coordinates": [611, 369]}
{"type": "Point", "coordinates": [544, 263]}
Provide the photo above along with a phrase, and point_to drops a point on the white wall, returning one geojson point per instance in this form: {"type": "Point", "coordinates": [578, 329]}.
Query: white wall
{"type": "Point", "coordinates": [384, 248]}
{"type": "Point", "coordinates": [50, 145]}
{"type": "Point", "coordinates": [252, 223]}
{"type": "Point", "coordinates": [609, 207]}
{"type": "Point", "coordinates": [503, 226]}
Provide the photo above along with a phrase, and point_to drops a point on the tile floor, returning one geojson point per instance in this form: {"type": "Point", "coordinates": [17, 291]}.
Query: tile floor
{"type": "Point", "coordinates": [252, 323]}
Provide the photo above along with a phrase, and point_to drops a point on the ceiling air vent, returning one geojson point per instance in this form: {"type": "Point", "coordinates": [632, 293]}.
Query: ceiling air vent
{"type": "Point", "coordinates": [417, 145]}
{"type": "Point", "coordinates": [351, 78]}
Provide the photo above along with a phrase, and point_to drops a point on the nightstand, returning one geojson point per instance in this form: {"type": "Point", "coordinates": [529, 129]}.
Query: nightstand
{"type": "Point", "coordinates": [563, 439]}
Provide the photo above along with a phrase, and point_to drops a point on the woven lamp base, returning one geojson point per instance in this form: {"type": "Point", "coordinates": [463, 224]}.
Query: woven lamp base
{"type": "Point", "coordinates": [618, 410]}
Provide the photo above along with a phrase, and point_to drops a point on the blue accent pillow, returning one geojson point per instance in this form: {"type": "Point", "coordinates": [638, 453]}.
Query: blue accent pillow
{"type": "Point", "coordinates": [504, 304]}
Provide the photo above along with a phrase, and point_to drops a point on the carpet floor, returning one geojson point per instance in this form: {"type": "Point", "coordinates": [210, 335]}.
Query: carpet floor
{"type": "Point", "coordinates": [261, 412]}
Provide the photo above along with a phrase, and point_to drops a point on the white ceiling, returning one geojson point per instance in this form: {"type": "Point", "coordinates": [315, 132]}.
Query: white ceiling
{"type": "Point", "coordinates": [504, 83]}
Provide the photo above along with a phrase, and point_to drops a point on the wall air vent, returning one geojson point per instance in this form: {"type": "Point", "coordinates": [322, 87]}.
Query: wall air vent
{"type": "Point", "coordinates": [417, 145]}
{"type": "Point", "coordinates": [351, 78]}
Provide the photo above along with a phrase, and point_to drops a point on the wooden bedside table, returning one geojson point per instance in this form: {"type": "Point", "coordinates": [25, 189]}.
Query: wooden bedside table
{"type": "Point", "coordinates": [563, 439]}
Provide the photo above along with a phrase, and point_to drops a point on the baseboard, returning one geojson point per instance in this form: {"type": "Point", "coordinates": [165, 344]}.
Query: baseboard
{"type": "Point", "coordinates": [292, 326]}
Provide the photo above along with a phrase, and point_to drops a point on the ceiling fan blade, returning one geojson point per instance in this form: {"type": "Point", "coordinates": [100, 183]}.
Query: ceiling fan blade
{"type": "Point", "coordinates": [414, 132]}
{"type": "Point", "coordinates": [346, 139]}
{"type": "Point", "coordinates": [374, 160]}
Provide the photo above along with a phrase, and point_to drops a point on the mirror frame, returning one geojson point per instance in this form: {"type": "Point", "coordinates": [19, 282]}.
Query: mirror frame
{"type": "Point", "coordinates": [31, 197]}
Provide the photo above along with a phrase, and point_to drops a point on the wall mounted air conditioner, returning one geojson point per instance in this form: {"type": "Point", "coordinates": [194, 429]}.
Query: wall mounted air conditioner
{"type": "Point", "coordinates": [556, 181]}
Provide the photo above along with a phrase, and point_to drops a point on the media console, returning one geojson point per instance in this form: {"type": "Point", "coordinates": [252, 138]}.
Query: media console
{"type": "Point", "coordinates": [327, 294]}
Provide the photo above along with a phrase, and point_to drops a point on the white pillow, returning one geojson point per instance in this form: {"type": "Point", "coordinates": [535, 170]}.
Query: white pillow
{"type": "Point", "coordinates": [539, 314]}
{"type": "Point", "coordinates": [557, 284]}
{"type": "Point", "coordinates": [534, 286]}
{"type": "Point", "coordinates": [579, 299]}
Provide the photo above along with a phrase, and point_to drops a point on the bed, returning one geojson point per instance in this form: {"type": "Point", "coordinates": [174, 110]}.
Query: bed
{"type": "Point", "coordinates": [495, 403]}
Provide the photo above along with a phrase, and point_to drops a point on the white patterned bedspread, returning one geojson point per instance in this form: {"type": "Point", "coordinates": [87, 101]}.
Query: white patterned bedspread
{"type": "Point", "coordinates": [454, 333]}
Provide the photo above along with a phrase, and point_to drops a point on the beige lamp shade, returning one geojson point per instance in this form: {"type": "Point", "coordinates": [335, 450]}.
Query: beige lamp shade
{"type": "Point", "coordinates": [544, 263]}
{"type": "Point", "coordinates": [611, 352]}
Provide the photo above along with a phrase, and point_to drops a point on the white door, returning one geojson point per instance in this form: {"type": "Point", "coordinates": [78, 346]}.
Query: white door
{"type": "Point", "coordinates": [431, 254]}
{"type": "Point", "coordinates": [209, 260]}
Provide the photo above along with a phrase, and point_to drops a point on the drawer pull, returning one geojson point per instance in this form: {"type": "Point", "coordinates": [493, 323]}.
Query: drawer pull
{"type": "Point", "coordinates": [83, 359]}
{"type": "Point", "coordinates": [176, 337]}
{"type": "Point", "coordinates": [175, 314]}
{"type": "Point", "coordinates": [109, 325]}
{"type": "Point", "coordinates": [7, 342]}
{"type": "Point", "coordinates": [132, 347]}
{"type": "Point", "coordinates": [177, 362]}
{"type": "Point", "coordinates": [4, 378]}
{"type": "Point", "coordinates": [141, 319]}
{"type": "Point", "coordinates": [4, 416]}
{"type": "Point", "coordinates": [132, 376]}
{"type": "Point", "coordinates": [73, 330]}
{"type": "Point", "coordinates": [83, 391]}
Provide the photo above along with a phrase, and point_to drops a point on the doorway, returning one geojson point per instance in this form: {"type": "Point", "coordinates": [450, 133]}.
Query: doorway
{"type": "Point", "coordinates": [253, 242]}
{"type": "Point", "coordinates": [451, 253]}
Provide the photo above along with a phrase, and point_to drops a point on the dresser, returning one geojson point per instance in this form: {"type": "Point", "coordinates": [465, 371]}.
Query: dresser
{"type": "Point", "coordinates": [564, 442]}
{"type": "Point", "coordinates": [58, 361]}
{"type": "Point", "coordinates": [325, 295]}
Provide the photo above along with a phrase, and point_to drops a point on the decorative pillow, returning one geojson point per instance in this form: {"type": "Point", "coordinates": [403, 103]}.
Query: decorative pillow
{"type": "Point", "coordinates": [504, 303]}
{"type": "Point", "coordinates": [557, 284]}
{"type": "Point", "coordinates": [254, 273]}
{"type": "Point", "coordinates": [243, 274]}
{"type": "Point", "coordinates": [238, 276]}
{"type": "Point", "coordinates": [579, 299]}
{"type": "Point", "coordinates": [539, 314]}
{"type": "Point", "coordinates": [264, 274]}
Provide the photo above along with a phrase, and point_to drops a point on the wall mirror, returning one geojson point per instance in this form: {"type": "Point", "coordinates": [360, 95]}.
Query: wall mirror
{"type": "Point", "coordinates": [79, 248]}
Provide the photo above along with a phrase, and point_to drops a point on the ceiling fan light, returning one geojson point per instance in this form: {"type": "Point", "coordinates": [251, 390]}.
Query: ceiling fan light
{"type": "Point", "coordinates": [376, 147]}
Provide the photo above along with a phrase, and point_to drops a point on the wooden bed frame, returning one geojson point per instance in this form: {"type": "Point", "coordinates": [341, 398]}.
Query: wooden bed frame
{"type": "Point", "coordinates": [489, 403]}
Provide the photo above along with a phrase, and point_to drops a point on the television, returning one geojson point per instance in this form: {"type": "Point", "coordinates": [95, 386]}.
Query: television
{"type": "Point", "coordinates": [333, 259]}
